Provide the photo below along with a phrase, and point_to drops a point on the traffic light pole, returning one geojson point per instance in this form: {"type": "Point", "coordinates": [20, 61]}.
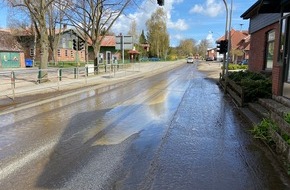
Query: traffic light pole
{"type": "Point", "coordinates": [229, 39]}
{"type": "Point", "coordinates": [226, 37]}
{"type": "Point", "coordinates": [77, 52]}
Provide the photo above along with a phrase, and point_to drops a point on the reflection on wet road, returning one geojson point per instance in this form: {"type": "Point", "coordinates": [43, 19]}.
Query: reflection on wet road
{"type": "Point", "coordinates": [174, 130]}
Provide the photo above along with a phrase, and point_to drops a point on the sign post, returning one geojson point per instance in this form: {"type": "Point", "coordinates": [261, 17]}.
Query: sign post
{"type": "Point", "coordinates": [124, 43]}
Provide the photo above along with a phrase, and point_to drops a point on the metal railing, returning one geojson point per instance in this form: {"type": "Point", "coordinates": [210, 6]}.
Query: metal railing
{"type": "Point", "coordinates": [26, 81]}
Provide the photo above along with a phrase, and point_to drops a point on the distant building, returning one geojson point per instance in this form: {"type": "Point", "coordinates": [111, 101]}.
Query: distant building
{"type": "Point", "coordinates": [239, 47]}
{"type": "Point", "coordinates": [11, 53]}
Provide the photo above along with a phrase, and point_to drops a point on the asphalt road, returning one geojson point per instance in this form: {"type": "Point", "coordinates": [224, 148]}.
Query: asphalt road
{"type": "Point", "coordinates": [174, 130]}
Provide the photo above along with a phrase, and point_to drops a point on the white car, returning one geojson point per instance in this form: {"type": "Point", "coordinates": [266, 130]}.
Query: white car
{"type": "Point", "coordinates": [189, 60]}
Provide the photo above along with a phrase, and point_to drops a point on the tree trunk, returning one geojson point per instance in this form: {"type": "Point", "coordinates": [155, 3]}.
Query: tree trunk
{"type": "Point", "coordinates": [43, 77]}
{"type": "Point", "coordinates": [96, 56]}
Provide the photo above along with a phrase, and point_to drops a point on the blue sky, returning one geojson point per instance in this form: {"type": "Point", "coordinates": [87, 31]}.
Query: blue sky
{"type": "Point", "coordinates": [197, 19]}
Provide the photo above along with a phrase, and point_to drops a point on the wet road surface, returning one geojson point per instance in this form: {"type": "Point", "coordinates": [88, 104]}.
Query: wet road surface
{"type": "Point", "coordinates": [175, 130]}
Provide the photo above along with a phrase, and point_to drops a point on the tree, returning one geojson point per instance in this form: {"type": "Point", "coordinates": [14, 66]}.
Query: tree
{"type": "Point", "coordinates": [38, 10]}
{"type": "Point", "coordinates": [187, 47]}
{"type": "Point", "coordinates": [94, 18]}
{"type": "Point", "coordinates": [142, 38]}
{"type": "Point", "coordinates": [142, 42]}
{"type": "Point", "coordinates": [158, 37]}
{"type": "Point", "coordinates": [55, 16]}
{"type": "Point", "coordinates": [133, 31]}
{"type": "Point", "coordinates": [202, 47]}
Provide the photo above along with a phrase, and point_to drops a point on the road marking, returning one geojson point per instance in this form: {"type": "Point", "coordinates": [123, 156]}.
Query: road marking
{"type": "Point", "coordinates": [19, 163]}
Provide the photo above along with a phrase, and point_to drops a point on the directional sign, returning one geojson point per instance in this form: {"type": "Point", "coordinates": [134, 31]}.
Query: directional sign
{"type": "Point", "coordinates": [125, 41]}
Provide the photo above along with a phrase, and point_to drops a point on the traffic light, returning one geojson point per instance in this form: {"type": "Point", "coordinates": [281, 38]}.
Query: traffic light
{"type": "Point", "coordinates": [222, 46]}
{"type": "Point", "coordinates": [218, 46]}
{"type": "Point", "coordinates": [81, 45]}
{"type": "Point", "coordinates": [160, 2]}
{"type": "Point", "coordinates": [74, 44]}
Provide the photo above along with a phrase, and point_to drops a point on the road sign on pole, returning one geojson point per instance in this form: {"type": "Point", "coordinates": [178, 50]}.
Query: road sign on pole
{"type": "Point", "coordinates": [124, 41]}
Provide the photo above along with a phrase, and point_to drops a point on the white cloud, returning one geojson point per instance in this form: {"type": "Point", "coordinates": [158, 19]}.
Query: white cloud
{"type": "Point", "coordinates": [210, 39]}
{"type": "Point", "coordinates": [210, 8]}
{"type": "Point", "coordinates": [180, 24]}
{"type": "Point", "coordinates": [144, 12]}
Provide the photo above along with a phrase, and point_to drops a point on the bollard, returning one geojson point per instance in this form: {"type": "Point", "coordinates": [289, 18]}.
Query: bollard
{"type": "Point", "coordinates": [13, 84]}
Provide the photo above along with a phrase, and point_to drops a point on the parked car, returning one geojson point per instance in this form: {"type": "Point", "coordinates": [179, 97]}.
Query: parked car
{"type": "Point", "coordinates": [209, 59]}
{"type": "Point", "coordinates": [189, 60]}
{"type": "Point", "coordinates": [244, 62]}
{"type": "Point", "coordinates": [154, 59]}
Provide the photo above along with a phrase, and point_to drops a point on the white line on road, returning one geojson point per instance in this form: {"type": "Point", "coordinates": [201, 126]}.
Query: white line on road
{"type": "Point", "coordinates": [19, 163]}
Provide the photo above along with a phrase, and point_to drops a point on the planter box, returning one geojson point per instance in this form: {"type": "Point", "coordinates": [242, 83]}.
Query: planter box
{"type": "Point", "coordinates": [235, 91]}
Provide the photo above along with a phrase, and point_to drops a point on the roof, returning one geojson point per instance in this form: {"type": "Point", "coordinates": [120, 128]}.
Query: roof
{"type": "Point", "coordinates": [109, 41]}
{"type": "Point", "coordinates": [8, 42]}
{"type": "Point", "coordinates": [266, 6]}
{"type": "Point", "coordinates": [238, 38]}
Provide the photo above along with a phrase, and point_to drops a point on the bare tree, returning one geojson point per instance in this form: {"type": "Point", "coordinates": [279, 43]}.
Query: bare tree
{"type": "Point", "coordinates": [187, 47]}
{"type": "Point", "coordinates": [38, 10]}
{"type": "Point", "coordinates": [94, 18]}
{"type": "Point", "coordinates": [202, 47]}
{"type": "Point", "coordinates": [55, 16]}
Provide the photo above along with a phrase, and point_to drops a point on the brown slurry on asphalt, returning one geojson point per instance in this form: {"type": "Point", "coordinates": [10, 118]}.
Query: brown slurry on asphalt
{"type": "Point", "coordinates": [211, 70]}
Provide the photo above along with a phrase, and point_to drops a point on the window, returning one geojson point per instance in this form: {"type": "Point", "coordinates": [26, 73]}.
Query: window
{"type": "Point", "coordinates": [58, 53]}
{"type": "Point", "coordinates": [72, 53]}
{"type": "Point", "coordinates": [31, 53]}
{"type": "Point", "coordinates": [66, 53]}
{"type": "Point", "coordinates": [270, 49]}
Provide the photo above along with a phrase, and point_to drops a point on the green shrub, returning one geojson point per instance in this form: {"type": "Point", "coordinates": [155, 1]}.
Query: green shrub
{"type": "Point", "coordinates": [287, 118]}
{"type": "Point", "coordinates": [255, 85]}
{"type": "Point", "coordinates": [261, 130]}
{"type": "Point", "coordinates": [236, 67]}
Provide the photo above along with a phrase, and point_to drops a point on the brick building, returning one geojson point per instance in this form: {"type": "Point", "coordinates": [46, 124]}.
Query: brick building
{"type": "Point", "coordinates": [240, 47]}
{"type": "Point", "coordinates": [269, 29]}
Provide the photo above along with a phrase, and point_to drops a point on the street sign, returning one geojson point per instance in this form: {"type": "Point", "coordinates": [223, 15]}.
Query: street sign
{"type": "Point", "coordinates": [125, 41]}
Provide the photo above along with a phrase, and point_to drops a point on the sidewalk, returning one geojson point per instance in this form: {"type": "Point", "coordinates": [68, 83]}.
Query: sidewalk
{"type": "Point", "coordinates": [30, 92]}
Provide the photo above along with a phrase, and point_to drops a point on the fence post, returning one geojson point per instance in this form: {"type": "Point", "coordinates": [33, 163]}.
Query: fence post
{"type": "Point", "coordinates": [13, 84]}
{"type": "Point", "coordinates": [58, 78]}
{"type": "Point", "coordinates": [39, 76]}
{"type": "Point", "coordinates": [75, 72]}
{"type": "Point", "coordinates": [86, 74]}
{"type": "Point", "coordinates": [60, 74]}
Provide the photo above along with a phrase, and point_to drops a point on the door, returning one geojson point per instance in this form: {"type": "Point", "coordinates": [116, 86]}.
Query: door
{"type": "Point", "coordinates": [10, 59]}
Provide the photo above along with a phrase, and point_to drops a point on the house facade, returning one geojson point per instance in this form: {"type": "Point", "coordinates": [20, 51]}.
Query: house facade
{"type": "Point", "coordinates": [11, 54]}
{"type": "Point", "coordinates": [240, 45]}
{"type": "Point", "coordinates": [270, 42]}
